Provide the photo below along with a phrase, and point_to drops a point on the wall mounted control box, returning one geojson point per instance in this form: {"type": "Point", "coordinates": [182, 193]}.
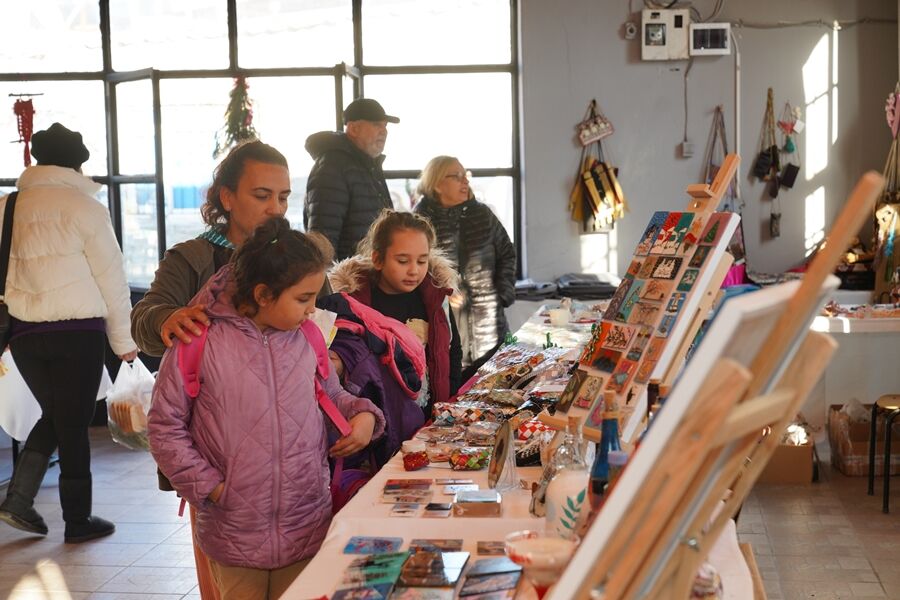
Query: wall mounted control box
{"type": "Point", "coordinates": [664, 34]}
{"type": "Point", "coordinates": [710, 39]}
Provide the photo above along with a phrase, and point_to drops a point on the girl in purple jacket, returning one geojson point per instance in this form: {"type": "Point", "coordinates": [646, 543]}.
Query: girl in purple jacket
{"type": "Point", "coordinates": [250, 452]}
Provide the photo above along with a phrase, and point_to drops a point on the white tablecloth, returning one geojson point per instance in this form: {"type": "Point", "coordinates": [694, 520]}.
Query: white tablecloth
{"type": "Point", "coordinates": [367, 515]}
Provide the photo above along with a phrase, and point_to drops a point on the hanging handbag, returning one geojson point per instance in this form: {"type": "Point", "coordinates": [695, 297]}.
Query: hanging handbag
{"type": "Point", "coordinates": [5, 247]}
{"type": "Point", "coordinates": [791, 169]}
{"type": "Point", "coordinates": [768, 160]}
{"type": "Point", "coordinates": [594, 127]}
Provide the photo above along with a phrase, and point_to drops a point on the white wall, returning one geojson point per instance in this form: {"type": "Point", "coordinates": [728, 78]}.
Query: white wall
{"type": "Point", "coordinates": [574, 50]}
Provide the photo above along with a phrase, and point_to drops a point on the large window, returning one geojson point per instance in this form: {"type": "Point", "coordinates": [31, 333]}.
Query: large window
{"type": "Point", "coordinates": [147, 83]}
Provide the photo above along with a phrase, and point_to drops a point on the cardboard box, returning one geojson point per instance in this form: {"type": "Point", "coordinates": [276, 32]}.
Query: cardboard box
{"type": "Point", "coordinates": [849, 443]}
{"type": "Point", "coordinates": [789, 464]}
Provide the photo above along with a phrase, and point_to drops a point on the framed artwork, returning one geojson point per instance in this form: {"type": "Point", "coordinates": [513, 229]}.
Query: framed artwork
{"type": "Point", "coordinates": [739, 332]}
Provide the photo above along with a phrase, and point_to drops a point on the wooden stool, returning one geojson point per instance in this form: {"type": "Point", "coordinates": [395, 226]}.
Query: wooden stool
{"type": "Point", "coordinates": [888, 405]}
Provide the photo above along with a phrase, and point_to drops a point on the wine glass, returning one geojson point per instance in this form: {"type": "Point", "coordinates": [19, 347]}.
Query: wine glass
{"type": "Point", "coordinates": [541, 556]}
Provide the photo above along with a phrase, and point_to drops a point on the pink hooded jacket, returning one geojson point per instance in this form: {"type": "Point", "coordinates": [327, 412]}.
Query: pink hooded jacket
{"type": "Point", "coordinates": [256, 426]}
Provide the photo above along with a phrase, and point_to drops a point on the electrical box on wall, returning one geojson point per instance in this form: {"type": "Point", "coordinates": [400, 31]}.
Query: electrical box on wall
{"type": "Point", "coordinates": [710, 39]}
{"type": "Point", "coordinates": [664, 34]}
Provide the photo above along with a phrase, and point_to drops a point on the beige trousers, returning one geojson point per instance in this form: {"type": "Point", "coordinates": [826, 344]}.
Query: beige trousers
{"type": "Point", "coordinates": [244, 583]}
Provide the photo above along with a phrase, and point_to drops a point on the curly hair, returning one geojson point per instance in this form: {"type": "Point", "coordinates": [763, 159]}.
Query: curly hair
{"type": "Point", "coordinates": [277, 257]}
{"type": "Point", "coordinates": [227, 175]}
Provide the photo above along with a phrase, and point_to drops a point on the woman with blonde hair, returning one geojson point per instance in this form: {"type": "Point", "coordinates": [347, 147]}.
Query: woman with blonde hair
{"type": "Point", "coordinates": [474, 240]}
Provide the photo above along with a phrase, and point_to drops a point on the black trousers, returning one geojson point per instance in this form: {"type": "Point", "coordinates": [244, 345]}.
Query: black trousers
{"type": "Point", "coordinates": [63, 371]}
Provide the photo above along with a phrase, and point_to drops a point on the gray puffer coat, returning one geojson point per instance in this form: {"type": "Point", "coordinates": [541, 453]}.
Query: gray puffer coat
{"type": "Point", "coordinates": [474, 240]}
{"type": "Point", "coordinates": [345, 192]}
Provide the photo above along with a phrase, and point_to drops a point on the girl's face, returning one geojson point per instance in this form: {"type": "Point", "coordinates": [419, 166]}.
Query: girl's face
{"type": "Point", "coordinates": [292, 307]}
{"type": "Point", "coordinates": [405, 262]}
{"type": "Point", "coordinates": [453, 188]}
{"type": "Point", "coordinates": [262, 193]}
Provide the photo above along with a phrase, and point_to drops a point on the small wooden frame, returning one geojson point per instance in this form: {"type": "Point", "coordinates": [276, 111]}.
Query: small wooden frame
{"type": "Point", "coordinates": [704, 450]}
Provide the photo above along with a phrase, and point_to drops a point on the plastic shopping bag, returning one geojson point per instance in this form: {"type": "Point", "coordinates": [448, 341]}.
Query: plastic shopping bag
{"type": "Point", "coordinates": [128, 403]}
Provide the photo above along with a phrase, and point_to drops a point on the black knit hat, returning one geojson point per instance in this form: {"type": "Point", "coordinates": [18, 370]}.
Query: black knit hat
{"type": "Point", "coordinates": [59, 146]}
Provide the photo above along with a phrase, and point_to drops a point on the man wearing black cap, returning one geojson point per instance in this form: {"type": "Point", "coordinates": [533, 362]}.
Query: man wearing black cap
{"type": "Point", "coordinates": [346, 188]}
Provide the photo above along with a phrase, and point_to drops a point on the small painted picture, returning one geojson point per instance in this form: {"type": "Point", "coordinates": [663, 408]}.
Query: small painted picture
{"type": "Point", "coordinates": [630, 300]}
{"type": "Point", "coordinates": [647, 268]}
{"type": "Point", "coordinates": [568, 395]}
{"type": "Point", "coordinates": [634, 268]}
{"type": "Point", "coordinates": [616, 301]}
{"type": "Point", "coordinates": [645, 371]}
{"type": "Point", "coordinates": [693, 234]}
{"type": "Point", "coordinates": [714, 229]}
{"type": "Point", "coordinates": [656, 290]}
{"type": "Point", "coordinates": [655, 348]}
{"type": "Point", "coordinates": [699, 257]}
{"type": "Point", "coordinates": [619, 337]}
{"type": "Point", "coordinates": [644, 313]}
{"type": "Point", "coordinates": [607, 360]}
{"type": "Point", "coordinates": [593, 347]}
{"type": "Point", "coordinates": [667, 235]}
{"type": "Point", "coordinates": [688, 280]}
{"type": "Point", "coordinates": [620, 377]}
{"type": "Point", "coordinates": [675, 303]}
{"type": "Point", "coordinates": [666, 325]}
{"type": "Point", "coordinates": [641, 339]}
{"type": "Point", "coordinates": [666, 267]}
{"type": "Point", "coordinates": [589, 391]}
{"type": "Point", "coordinates": [649, 236]}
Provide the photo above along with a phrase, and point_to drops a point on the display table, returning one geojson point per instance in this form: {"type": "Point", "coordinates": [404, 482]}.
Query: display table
{"type": "Point", "coordinates": [367, 515]}
{"type": "Point", "coordinates": [864, 366]}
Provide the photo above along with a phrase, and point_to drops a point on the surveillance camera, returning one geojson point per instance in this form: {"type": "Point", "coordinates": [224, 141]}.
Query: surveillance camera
{"type": "Point", "coordinates": [630, 31]}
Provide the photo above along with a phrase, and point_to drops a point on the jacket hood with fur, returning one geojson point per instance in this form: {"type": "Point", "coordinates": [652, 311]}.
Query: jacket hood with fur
{"type": "Point", "coordinates": [349, 274]}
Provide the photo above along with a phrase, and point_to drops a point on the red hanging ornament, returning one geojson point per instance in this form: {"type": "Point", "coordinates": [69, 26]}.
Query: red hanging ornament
{"type": "Point", "coordinates": [25, 121]}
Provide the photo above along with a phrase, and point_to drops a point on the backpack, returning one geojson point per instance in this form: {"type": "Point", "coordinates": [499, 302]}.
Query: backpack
{"type": "Point", "coordinates": [345, 483]}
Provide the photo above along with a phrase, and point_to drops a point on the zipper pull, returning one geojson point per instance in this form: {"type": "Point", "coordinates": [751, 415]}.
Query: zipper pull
{"type": "Point", "coordinates": [265, 340]}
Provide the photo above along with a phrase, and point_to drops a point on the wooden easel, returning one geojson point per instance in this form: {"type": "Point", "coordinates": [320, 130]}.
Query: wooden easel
{"type": "Point", "coordinates": [717, 453]}
{"type": "Point", "coordinates": [704, 199]}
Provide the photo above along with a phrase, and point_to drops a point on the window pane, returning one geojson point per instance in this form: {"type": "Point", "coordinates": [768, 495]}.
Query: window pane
{"type": "Point", "coordinates": [192, 113]}
{"type": "Point", "coordinates": [496, 192]}
{"type": "Point", "coordinates": [286, 110]}
{"type": "Point", "coordinates": [404, 32]}
{"type": "Point", "coordinates": [139, 232]}
{"type": "Point", "coordinates": [42, 36]}
{"type": "Point", "coordinates": [169, 35]}
{"type": "Point", "coordinates": [294, 33]}
{"type": "Point", "coordinates": [78, 105]}
{"type": "Point", "coordinates": [135, 107]}
{"type": "Point", "coordinates": [467, 115]}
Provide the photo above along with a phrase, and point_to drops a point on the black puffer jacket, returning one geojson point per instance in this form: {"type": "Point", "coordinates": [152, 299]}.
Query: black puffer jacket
{"type": "Point", "coordinates": [475, 241]}
{"type": "Point", "coordinates": [345, 191]}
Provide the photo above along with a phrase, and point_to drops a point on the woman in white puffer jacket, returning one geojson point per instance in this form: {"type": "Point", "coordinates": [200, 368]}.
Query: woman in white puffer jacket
{"type": "Point", "coordinates": [66, 291]}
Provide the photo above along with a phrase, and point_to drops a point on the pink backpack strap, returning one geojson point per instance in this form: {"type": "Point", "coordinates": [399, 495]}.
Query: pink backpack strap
{"type": "Point", "coordinates": [189, 357]}
{"type": "Point", "coordinates": [323, 368]}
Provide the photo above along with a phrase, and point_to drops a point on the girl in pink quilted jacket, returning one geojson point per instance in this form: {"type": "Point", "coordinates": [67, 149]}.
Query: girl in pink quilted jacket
{"type": "Point", "coordinates": [250, 451]}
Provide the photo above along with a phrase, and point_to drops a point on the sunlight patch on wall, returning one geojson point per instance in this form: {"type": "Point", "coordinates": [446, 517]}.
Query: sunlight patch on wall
{"type": "Point", "coordinates": [816, 73]}
{"type": "Point", "coordinates": [598, 253]}
{"type": "Point", "coordinates": [814, 219]}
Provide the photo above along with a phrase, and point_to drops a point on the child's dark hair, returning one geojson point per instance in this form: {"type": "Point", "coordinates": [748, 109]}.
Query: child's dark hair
{"type": "Point", "coordinates": [229, 172]}
{"type": "Point", "coordinates": [381, 233]}
{"type": "Point", "coordinates": [277, 257]}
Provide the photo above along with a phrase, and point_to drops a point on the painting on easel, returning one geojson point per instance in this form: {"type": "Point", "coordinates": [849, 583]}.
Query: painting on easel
{"type": "Point", "coordinates": [647, 311]}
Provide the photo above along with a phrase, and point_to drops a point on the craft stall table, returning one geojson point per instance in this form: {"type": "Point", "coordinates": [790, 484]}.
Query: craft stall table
{"type": "Point", "coordinates": [367, 515]}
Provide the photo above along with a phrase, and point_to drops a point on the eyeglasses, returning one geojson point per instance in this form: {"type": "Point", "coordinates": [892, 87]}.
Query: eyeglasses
{"type": "Point", "coordinates": [460, 177]}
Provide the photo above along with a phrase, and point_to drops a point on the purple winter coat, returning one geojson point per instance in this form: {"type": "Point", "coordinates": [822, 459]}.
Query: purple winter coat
{"type": "Point", "coordinates": [256, 426]}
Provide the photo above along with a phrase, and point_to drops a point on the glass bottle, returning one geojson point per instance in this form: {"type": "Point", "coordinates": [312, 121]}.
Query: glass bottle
{"type": "Point", "coordinates": [567, 491]}
{"type": "Point", "coordinates": [600, 470]}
